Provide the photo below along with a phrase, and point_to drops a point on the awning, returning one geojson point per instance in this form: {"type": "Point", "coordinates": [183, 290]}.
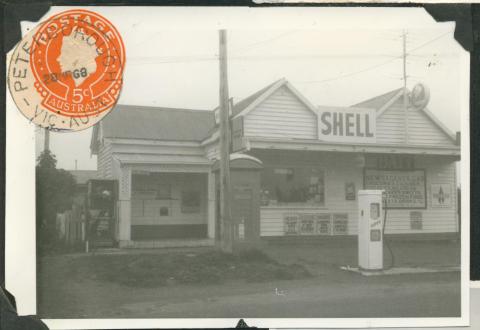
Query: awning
{"type": "Point", "coordinates": [161, 159]}
{"type": "Point", "coordinates": [316, 145]}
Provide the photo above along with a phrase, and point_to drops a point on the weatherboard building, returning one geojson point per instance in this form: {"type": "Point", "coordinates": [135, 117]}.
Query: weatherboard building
{"type": "Point", "coordinates": [310, 160]}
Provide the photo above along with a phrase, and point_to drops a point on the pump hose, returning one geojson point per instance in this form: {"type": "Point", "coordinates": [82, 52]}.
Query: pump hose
{"type": "Point", "coordinates": [385, 241]}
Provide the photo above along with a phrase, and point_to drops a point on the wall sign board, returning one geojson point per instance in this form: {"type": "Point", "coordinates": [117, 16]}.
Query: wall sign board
{"type": "Point", "coordinates": [441, 194]}
{"type": "Point", "coordinates": [404, 189]}
{"type": "Point", "coordinates": [315, 223]}
{"type": "Point", "coordinates": [420, 96]}
{"type": "Point", "coordinates": [395, 162]}
{"type": "Point", "coordinates": [238, 142]}
{"type": "Point", "coordinates": [290, 222]}
{"type": "Point", "coordinates": [416, 220]}
{"type": "Point", "coordinates": [307, 224]}
{"type": "Point", "coordinates": [355, 125]}
{"type": "Point", "coordinates": [340, 223]}
{"type": "Point", "coordinates": [324, 223]}
{"type": "Point", "coordinates": [350, 191]}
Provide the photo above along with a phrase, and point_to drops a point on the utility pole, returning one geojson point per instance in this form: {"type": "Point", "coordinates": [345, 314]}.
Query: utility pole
{"type": "Point", "coordinates": [405, 98]}
{"type": "Point", "coordinates": [46, 142]}
{"type": "Point", "coordinates": [226, 226]}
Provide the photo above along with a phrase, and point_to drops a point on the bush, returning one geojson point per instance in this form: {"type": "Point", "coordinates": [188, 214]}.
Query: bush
{"type": "Point", "coordinates": [54, 191]}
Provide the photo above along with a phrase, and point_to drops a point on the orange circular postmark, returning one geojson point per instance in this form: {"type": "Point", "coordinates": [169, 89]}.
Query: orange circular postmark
{"type": "Point", "coordinates": [67, 73]}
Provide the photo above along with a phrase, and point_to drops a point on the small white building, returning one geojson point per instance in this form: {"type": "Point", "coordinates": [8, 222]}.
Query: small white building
{"type": "Point", "coordinates": [315, 159]}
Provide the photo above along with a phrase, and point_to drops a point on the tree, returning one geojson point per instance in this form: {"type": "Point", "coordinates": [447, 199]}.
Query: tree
{"type": "Point", "coordinates": [54, 193]}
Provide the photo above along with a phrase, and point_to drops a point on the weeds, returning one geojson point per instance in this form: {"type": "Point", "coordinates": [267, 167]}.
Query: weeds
{"type": "Point", "coordinates": [213, 267]}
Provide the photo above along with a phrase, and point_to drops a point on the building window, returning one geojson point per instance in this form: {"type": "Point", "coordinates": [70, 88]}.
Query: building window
{"type": "Point", "coordinates": [150, 187]}
{"type": "Point", "coordinates": [164, 211]}
{"type": "Point", "coordinates": [190, 201]}
{"type": "Point", "coordinates": [164, 191]}
{"type": "Point", "coordinates": [300, 185]}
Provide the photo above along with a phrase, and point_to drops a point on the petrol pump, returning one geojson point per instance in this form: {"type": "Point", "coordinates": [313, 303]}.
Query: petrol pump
{"type": "Point", "coordinates": [370, 230]}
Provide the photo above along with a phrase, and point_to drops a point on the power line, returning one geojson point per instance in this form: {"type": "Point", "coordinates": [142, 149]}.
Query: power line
{"type": "Point", "coordinates": [260, 43]}
{"type": "Point", "coordinates": [430, 41]}
{"type": "Point", "coordinates": [374, 66]}
{"type": "Point", "coordinates": [186, 59]}
{"type": "Point", "coordinates": [209, 58]}
{"type": "Point", "coordinates": [351, 73]}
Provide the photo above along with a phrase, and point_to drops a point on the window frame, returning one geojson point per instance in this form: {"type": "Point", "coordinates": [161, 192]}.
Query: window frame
{"type": "Point", "coordinates": [276, 203]}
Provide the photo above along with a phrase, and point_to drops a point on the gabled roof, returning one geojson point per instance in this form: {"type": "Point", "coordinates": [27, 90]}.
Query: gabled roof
{"type": "Point", "coordinates": [249, 103]}
{"type": "Point", "coordinates": [154, 123]}
{"type": "Point", "coordinates": [243, 104]}
{"type": "Point", "coordinates": [378, 102]}
{"type": "Point", "coordinates": [383, 102]}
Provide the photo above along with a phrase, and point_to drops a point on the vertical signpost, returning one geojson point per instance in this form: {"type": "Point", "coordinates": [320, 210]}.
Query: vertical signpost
{"type": "Point", "coordinates": [226, 226]}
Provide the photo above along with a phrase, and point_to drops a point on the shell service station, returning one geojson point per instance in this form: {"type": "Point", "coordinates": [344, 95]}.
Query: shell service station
{"type": "Point", "coordinates": [298, 171]}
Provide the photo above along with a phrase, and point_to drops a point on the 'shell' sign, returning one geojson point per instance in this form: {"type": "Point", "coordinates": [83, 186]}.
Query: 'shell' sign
{"type": "Point", "coordinates": [357, 125]}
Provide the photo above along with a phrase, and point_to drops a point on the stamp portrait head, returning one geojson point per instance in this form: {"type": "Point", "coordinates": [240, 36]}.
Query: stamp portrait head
{"type": "Point", "coordinates": [77, 54]}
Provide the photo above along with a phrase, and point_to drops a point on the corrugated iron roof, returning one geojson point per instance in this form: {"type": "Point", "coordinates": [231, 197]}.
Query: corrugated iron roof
{"type": "Point", "coordinates": [154, 123]}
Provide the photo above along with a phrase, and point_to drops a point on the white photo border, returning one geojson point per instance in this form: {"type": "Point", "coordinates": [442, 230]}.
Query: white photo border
{"type": "Point", "coordinates": [20, 247]}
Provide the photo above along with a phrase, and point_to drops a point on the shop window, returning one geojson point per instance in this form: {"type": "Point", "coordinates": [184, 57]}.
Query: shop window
{"type": "Point", "coordinates": [301, 185]}
{"type": "Point", "coordinates": [190, 201]}
{"type": "Point", "coordinates": [148, 187]}
{"type": "Point", "coordinates": [164, 191]}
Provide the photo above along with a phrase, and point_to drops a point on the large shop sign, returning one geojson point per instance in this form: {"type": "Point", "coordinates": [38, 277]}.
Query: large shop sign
{"type": "Point", "coordinates": [356, 125]}
{"type": "Point", "coordinates": [405, 189]}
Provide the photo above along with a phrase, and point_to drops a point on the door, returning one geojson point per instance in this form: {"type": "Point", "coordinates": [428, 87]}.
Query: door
{"type": "Point", "coordinates": [242, 212]}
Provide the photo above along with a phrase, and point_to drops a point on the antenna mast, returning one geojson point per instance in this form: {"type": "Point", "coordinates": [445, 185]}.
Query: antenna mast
{"type": "Point", "coordinates": [405, 99]}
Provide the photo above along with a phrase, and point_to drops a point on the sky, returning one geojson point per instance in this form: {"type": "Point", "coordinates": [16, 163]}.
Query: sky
{"type": "Point", "coordinates": [333, 57]}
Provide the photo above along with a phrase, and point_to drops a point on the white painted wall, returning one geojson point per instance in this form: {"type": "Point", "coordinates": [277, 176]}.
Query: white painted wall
{"type": "Point", "coordinates": [104, 159]}
{"type": "Point", "coordinates": [339, 170]}
{"type": "Point", "coordinates": [421, 130]}
{"type": "Point", "coordinates": [282, 115]}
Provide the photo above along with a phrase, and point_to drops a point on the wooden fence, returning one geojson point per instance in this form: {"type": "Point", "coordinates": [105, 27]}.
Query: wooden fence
{"type": "Point", "coordinates": [71, 226]}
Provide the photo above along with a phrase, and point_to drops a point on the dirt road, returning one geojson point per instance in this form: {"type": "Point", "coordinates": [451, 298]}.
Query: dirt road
{"type": "Point", "coordinates": [329, 293]}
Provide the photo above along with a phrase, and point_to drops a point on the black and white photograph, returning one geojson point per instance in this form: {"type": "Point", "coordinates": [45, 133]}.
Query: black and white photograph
{"type": "Point", "coordinates": [287, 167]}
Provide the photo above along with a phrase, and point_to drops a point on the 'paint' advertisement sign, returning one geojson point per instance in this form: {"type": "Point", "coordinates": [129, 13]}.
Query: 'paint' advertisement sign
{"type": "Point", "coordinates": [357, 125]}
